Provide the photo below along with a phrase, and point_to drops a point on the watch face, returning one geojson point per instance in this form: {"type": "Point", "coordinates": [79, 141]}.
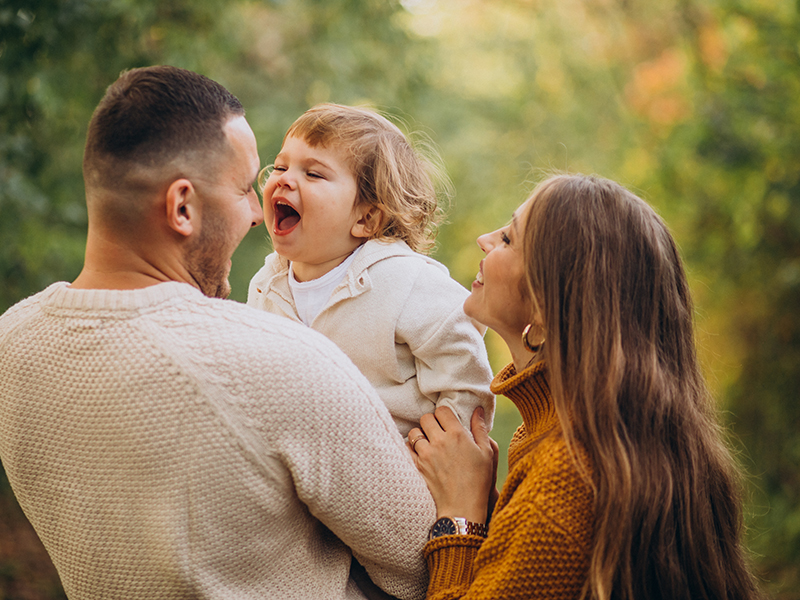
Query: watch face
{"type": "Point", "coordinates": [444, 526]}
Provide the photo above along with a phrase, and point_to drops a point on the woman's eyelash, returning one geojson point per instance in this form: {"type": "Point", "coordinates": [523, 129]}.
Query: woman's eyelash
{"type": "Point", "coordinates": [505, 238]}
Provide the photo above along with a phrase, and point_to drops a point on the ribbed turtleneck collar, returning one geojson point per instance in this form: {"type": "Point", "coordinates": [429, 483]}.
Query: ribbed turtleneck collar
{"type": "Point", "coordinates": [530, 393]}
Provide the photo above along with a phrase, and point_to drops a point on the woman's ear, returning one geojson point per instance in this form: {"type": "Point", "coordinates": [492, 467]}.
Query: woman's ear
{"type": "Point", "coordinates": [368, 223]}
{"type": "Point", "coordinates": [181, 207]}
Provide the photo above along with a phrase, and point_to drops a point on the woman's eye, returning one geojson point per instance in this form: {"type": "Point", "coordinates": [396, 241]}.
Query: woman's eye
{"type": "Point", "coordinates": [504, 237]}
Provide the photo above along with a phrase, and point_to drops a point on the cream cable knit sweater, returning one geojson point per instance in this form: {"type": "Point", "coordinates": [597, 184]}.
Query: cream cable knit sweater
{"type": "Point", "coordinates": [167, 445]}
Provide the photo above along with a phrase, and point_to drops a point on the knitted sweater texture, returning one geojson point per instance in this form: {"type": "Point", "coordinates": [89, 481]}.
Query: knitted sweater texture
{"type": "Point", "coordinates": [168, 445]}
{"type": "Point", "coordinates": [541, 531]}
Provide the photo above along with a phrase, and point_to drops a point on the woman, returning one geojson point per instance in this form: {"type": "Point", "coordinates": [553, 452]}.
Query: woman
{"type": "Point", "coordinates": [619, 485]}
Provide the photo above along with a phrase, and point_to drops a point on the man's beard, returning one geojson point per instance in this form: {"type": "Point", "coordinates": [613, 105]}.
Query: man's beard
{"type": "Point", "coordinates": [203, 257]}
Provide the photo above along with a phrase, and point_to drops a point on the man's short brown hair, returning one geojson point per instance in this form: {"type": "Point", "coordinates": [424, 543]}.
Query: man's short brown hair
{"type": "Point", "coordinates": [152, 115]}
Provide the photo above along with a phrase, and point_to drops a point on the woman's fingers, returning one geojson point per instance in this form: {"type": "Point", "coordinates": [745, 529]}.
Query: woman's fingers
{"type": "Point", "coordinates": [429, 425]}
{"type": "Point", "coordinates": [458, 470]}
{"type": "Point", "coordinates": [414, 437]}
{"type": "Point", "coordinates": [432, 426]}
{"type": "Point", "coordinates": [478, 426]}
{"type": "Point", "coordinates": [447, 419]}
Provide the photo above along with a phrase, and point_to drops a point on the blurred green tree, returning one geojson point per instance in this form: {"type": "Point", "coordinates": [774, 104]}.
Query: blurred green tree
{"type": "Point", "coordinates": [736, 169]}
{"type": "Point", "coordinates": [56, 58]}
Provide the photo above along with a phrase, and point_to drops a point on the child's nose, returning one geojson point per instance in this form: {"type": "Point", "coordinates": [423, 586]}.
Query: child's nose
{"type": "Point", "coordinates": [286, 179]}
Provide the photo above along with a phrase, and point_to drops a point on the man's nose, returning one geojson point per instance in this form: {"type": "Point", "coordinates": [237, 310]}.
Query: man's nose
{"type": "Point", "coordinates": [258, 213]}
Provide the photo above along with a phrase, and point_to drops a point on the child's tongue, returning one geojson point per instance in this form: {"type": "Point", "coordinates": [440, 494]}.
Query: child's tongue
{"type": "Point", "coordinates": [288, 222]}
{"type": "Point", "coordinates": [286, 217]}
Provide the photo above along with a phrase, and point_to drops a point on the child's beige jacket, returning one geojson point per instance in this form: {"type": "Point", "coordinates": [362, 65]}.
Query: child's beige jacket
{"type": "Point", "coordinates": [399, 316]}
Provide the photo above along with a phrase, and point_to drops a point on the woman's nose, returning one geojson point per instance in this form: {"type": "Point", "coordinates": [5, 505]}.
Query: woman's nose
{"type": "Point", "coordinates": [485, 242]}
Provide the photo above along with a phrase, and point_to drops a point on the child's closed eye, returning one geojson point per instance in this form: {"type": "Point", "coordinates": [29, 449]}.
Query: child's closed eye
{"type": "Point", "coordinates": [261, 179]}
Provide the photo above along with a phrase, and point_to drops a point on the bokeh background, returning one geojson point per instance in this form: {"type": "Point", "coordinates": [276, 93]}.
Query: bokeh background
{"type": "Point", "coordinates": [693, 104]}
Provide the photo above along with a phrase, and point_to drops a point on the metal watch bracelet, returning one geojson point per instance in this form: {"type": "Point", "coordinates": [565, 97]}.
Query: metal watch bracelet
{"type": "Point", "coordinates": [457, 526]}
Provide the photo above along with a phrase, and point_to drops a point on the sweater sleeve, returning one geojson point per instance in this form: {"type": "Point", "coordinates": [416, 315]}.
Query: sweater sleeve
{"type": "Point", "coordinates": [380, 507]}
{"type": "Point", "coordinates": [449, 352]}
{"type": "Point", "coordinates": [451, 565]}
{"type": "Point", "coordinates": [538, 546]}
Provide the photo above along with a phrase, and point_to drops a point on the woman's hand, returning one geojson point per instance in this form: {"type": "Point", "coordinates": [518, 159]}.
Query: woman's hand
{"type": "Point", "coordinates": [461, 473]}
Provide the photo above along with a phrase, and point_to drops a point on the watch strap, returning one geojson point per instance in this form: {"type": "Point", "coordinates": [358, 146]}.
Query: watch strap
{"type": "Point", "coordinates": [457, 526]}
{"type": "Point", "coordinates": [469, 528]}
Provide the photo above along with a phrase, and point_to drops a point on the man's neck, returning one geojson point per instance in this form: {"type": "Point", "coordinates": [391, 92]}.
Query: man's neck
{"type": "Point", "coordinates": [90, 279]}
{"type": "Point", "coordinates": [111, 264]}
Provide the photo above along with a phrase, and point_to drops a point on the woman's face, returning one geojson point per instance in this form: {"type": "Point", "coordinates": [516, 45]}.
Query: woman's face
{"type": "Point", "coordinates": [499, 297]}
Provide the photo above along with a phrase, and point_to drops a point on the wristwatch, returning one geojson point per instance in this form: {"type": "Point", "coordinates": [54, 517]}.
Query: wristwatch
{"type": "Point", "coordinates": [457, 526]}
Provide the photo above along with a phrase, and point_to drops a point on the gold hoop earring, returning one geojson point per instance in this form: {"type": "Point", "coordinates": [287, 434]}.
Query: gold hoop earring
{"type": "Point", "coordinates": [526, 342]}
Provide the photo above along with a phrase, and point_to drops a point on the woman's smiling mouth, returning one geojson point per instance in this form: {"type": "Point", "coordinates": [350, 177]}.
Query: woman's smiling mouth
{"type": "Point", "coordinates": [479, 275]}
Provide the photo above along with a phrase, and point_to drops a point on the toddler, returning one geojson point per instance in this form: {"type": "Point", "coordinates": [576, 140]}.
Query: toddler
{"type": "Point", "coordinates": [349, 205]}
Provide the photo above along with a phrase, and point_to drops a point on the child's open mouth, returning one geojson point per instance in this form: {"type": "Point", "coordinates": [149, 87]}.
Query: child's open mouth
{"type": "Point", "coordinates": [286, 217]}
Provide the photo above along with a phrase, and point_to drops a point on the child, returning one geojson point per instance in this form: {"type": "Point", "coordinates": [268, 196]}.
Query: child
{"type": "Point", "coordinates": [348, 204]}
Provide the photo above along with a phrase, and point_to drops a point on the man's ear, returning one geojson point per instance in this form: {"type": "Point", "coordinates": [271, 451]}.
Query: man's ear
{"type": "Point", "coordinates": [181, 205]}
{"type": "Point", "coordinates": [368, 223]}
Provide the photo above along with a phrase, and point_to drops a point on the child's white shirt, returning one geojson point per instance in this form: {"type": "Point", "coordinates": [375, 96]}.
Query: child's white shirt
{"type": "Point", "coordinates": [311, 296]}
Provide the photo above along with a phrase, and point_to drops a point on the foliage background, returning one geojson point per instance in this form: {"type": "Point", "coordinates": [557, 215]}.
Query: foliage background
{"type": "Point", "coordinates": [693, 104]}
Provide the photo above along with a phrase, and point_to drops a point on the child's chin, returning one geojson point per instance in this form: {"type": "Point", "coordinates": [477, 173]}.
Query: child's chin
{"type": "Point", "coordinates": [282, 250]}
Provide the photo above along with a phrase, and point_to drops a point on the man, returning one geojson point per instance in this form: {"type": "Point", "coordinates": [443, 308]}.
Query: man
{"type": "Point", "coordinates": [166, 443]}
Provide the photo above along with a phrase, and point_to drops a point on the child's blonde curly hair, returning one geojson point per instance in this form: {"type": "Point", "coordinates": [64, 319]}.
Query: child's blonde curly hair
{"type": "Point", "coordinates": [392, 175]}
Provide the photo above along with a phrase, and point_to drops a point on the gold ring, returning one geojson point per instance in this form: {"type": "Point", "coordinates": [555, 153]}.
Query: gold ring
{"type": "Point", "coordinates": [414, 442]}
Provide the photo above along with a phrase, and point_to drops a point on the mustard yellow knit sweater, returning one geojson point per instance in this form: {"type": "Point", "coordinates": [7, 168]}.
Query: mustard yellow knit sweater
{"type": "Point", "coordinates": [541, 530]}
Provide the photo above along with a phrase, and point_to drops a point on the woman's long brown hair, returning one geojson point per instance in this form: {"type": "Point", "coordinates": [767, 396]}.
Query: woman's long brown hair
{"type": "Point", "coordinates": [608, 280]}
